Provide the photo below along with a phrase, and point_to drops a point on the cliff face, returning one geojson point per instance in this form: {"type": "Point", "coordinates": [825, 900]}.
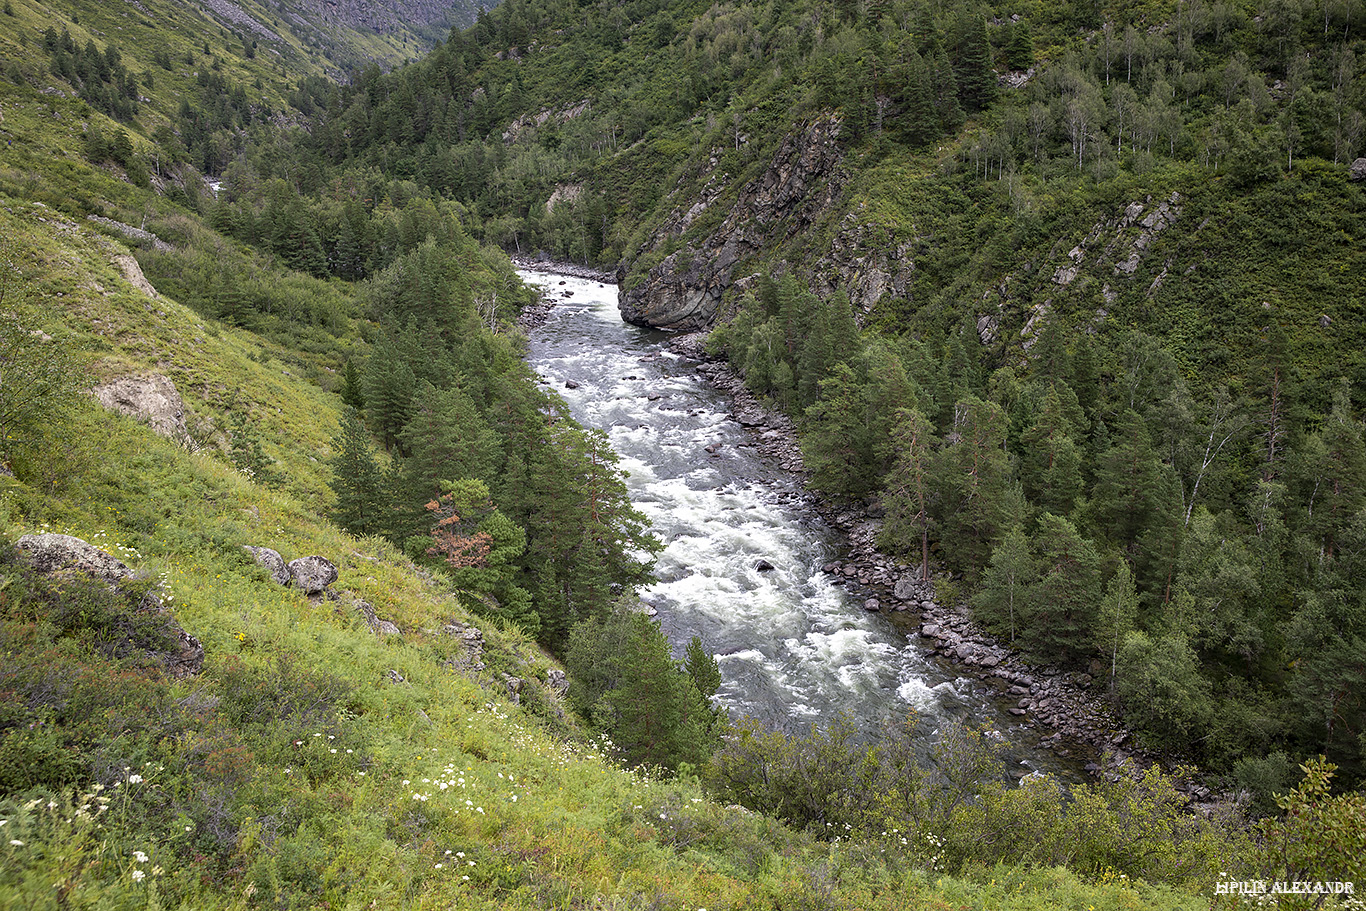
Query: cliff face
{"type": "Point", "coordinates": [802, 181]}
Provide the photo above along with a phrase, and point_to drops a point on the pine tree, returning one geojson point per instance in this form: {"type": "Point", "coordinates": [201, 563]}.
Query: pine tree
{"type": "Point", "coordinates": [1007, 583]}
{"type": "Point", "coordinates": [627, 683]}
{"type": "Point", "coordinates": [1050, 469]}
{"type": "Point", "coordinates": [357, 480]}
{"type": "Point", "coordinates": [1061, 606]}
{"type": "Point", "coordinates": [905, 498]}
{"type": "Point", "coordinates": [702, 668]}
{"type": "Point", "coordinates": [970, 480]}
{"type": "Point", "coordinates": [445, 438]}
{"type": "Point", "coordinates": [970, 51]}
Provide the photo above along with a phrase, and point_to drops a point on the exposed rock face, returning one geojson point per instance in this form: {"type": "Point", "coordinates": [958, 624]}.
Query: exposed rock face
{"type": "Point", "coordinates": [472, 639]}
{"type": "Point", "coordinates": [137, 234]}
{"type": "Point", "coordinates": [685, 289]}
{"type": "Point", "coordinates": [514, 688]}
{"type": "Point", "coordinates": [151, 399]}
{"type": "Point", "coordinates": [1358, 169]}
{"type": "Point", "coordinates": [133, 273]}
{"type": "Point", "coordinates": [51, 553]}
{"type": "Point", "coordinates": [378, 625]}
{"type": "Point", "coordinates": [528, 122]}
{"type": "Point", "coordinates": [312, 574]}
{"type": "Point", "coordinates": [557, 680]}
{"type": "Point", "coordinates": [272, 561]}
{"type": "Point", "coordinates": [865, 264]}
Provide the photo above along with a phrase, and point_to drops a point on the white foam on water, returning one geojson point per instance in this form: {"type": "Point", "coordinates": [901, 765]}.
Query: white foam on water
{"type": "Point", "coordinates": [790, 643]}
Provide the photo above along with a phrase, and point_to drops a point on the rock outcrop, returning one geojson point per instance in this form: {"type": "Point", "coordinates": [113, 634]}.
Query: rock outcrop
{"type": "Point", "coordinates": [472, 640]}
{"type": "Point", "coordinates": [312, 575]}
{"type": "Point", "coordinates": [378, 625]}
{"type": "Point", "coordinates": [52, 553]}
{"type": "Point", "coordinates": [152, 399]}
{"type": "Point", "coordinates": [179, 653]}
{"type": "Point", "coordinates": [272, 561]}
{"type": "Point", "coordinates": [866, 263]}
{"type": "Point", "coordinates": [684, 290]}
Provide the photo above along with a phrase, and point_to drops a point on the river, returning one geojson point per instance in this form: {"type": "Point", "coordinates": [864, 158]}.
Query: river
{"type": "Point", "coordinates": [793, 647]}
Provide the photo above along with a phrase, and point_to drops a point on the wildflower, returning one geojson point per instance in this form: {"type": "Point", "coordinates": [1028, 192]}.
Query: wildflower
{"type": "Point", "coordinates": [135, 778]}
{"type": "Point", "coordinates": [16, 842]}
{"type": "Point", "coordinates": [138, 875]}
{"type": "Point", "coordinates": [140, 857]}
{"type": "Point", "coordinates": [439, 866]}
{"type": "Point", "coordinates": [157, 871]}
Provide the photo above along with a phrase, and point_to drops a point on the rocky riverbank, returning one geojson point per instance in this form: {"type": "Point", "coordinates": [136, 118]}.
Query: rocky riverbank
{"type": "Point", "coordinates": [534, 315]}
{"type": "Point", "coordinates": [1066, 709]}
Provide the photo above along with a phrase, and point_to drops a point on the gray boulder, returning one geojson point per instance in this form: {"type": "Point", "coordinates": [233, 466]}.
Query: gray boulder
{"type": "Point", "coordinates": [49, 553]}
{"type": "Point", "coordinates": [152, 399]}
{"type": "Point", "coordinates": [557, 680]}
{"type": "Point", "coordinates": [312, 574]}
{"type": "Point", "coordinates": [1358, 169]}
{"type": "Point", "coordinates": [272, 561]}
{"type": "Point", "coordinates": [906, 589]}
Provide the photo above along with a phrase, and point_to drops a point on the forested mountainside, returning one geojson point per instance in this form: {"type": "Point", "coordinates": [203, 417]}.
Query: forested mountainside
{"type": "Point", "coordinates": [1071, 291]}
{"type": "Point", "coordinates": [292, 299]}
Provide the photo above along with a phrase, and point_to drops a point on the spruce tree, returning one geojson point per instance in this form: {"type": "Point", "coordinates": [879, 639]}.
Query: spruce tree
{"type": "Point", "coordinates": [1007, 583]}
{"type": "Point", "coordinates": [357, 480]}
{"type": "Point", "coordinates": [906, 526]}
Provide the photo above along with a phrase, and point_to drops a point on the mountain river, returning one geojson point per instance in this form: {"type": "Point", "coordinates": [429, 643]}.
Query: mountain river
{"type": "Point", "coordinates": [793, 647]}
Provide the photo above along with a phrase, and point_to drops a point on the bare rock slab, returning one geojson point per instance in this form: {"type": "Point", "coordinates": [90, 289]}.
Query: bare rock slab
{"type": "Point", "coordinates": [152, 399]}
{"type": "Point", "coordinates": [50, 553]}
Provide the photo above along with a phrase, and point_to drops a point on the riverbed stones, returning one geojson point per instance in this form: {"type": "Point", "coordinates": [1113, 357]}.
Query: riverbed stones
{"type": "Point", "coordinates": [906, 589]}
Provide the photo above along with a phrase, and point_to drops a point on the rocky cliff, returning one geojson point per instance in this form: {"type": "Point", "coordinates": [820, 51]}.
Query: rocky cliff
{"type": "Point", "coordinates": [801, 182]}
